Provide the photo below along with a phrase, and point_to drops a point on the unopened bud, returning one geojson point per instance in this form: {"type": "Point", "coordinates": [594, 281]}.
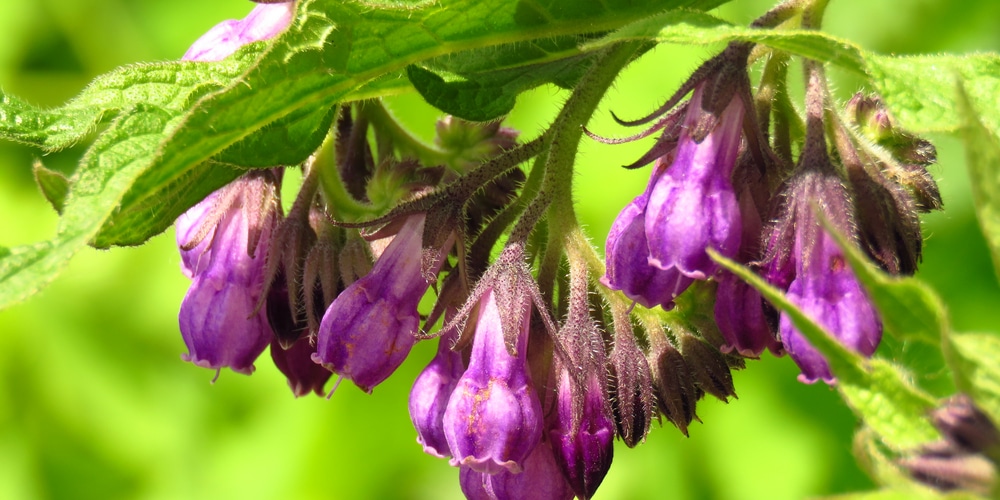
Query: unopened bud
{"type": "Point", "coordinates": [964, 424]}
{"type": "Point", "coordinates": [963, 472]}
{"type": "Point", "coordinates": [631, 380]}
{"type": "Point", "coordinates": [708, 366]}
{"type": "Point", "coordinates": [674, 384]}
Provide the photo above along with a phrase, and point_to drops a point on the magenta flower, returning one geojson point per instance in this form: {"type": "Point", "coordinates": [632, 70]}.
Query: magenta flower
{"type": "Point", "coordinates": [430, 394]}
{"type": "Point", "coordinates": [264, 21]}
{"type": "Point", "coordinates": [494, 419]}
{"type": "Point", "coordinates": [804, 257]}
{"type": "Point", "coordinates": [656, 247]}
{"type": "Point", "coordinates": [692, 205]}
{"type": "Point", "coordinates": [541, 478]}
{"type": "Point", "coordinates": [371, 326]}
{"type": "Point", "coordinates": [223, 246]}
{"type": "Point", "coordinates": [583, 438]}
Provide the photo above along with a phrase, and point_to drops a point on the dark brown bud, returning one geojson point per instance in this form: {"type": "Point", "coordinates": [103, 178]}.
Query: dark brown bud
{"type": "Point", "coordinates": [631, 381]}
{"type": "Point", "coordinates": [964, 424]}
{"type": "Point", "coordinates": [708, 366]}
{"type": "Point", "coordinates": [674, 384]}
{"type": "Point", "coordinates": [963, 472]}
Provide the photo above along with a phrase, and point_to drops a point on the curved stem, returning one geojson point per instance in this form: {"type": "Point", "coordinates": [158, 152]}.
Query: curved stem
{"type": "Point", "coordinates": [567, 131]}
{"type": "Point", "coordinates": [340, 204]}
{"type": "Point", "coordinates": [403, 139]}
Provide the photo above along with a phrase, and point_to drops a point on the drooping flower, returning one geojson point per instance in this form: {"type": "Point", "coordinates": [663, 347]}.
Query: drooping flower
{"type": "Point", "coordinates": [540, 479]}
{"type": "Point", "coordinates": [295, 362]}
{"type": "Point", "coordinates": [581, 427]}
{"type": "Point", "coordinates": [263, 22]}
{"type": "Point", "coordinates": [223, 248]}
{"type": "Point", "coordinates": [430, 394]}
{"type": "Point", "coordinates": [371, 326]}
{"type": "Point", "coordinates": [692, 205]}
{"type": "Point", "coordinates": [804, 258]}
{"type": "Point", "coordinates": [494, 418]}
{"type": "Point", "coordinates": [656, 247]}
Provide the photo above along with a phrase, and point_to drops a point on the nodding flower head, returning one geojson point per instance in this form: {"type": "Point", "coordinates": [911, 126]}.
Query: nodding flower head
{"type": "Point", "coordinates": [803, 258]}
{"type": "Point", "coordinates": [656, 247]}
{"type": "Point", "coordinates": [223, 242]}
{"type": "Point", "coordinates": [494, 418]}
{"type": "Point", "coordinates": [371, 326]}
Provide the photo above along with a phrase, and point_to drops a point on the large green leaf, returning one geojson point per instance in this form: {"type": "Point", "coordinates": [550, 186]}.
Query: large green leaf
{"type": "Point", "coordinates": [982, 150]}
{"type": "Point", "coordinates": [920, 90]}
{"type": "Point", "coordinates": [332, 48]}
{"type": "Point", "coordinates": [974, 356]}
{"type": "Point", "coordinates": [169, 85]}
{"type": "Point", "coordinates": [483, 84]}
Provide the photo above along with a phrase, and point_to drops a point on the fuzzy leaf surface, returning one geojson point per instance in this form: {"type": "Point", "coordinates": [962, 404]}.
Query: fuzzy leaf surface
{"type": "Point", "coordinates": [160, 139]}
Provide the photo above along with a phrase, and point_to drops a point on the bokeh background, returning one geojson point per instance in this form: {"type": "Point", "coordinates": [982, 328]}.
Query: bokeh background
{"type": "Point", "coordinates": [96, 403]}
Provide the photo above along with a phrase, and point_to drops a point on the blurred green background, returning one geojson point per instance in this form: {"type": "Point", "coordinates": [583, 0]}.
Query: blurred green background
{"type": "Point", "coordinates": [96, 403]}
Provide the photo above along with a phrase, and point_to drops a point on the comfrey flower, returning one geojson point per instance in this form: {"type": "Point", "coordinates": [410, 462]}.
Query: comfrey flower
{"type": "Point", "coordinates": [223, 247]}
{"type": "Point", "coordinates": [430, 394]}
{"type": "Point", "coordinates": [581, 427]}
{"type": "Point", "coordinates": [263, 22]}
{"type": "Point", "coordinates": [371, 326]}
{"type": "Point", "coordinates": [220, 238]}
{"type": "Point", "coordinates": [803, 258]}
{"type": "Point", "coordinates": [494, 418]}
{"type": "Point", "coordinates": [656, 247]}
{"type": "Point", "coordinates": [540, 478]}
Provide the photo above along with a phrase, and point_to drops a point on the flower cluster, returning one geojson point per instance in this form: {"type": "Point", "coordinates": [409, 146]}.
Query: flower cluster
{"type": "Point", "coordinates": [534, 376]}
{"type": "Point", "coordinates": [717, 184]}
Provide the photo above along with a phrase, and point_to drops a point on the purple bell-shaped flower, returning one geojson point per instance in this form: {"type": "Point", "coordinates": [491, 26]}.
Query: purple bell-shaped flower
{"type": "Point", "coordinates": [371, 326]}
{"type": "Point", "coordinates": [494, 418]}
{"type": "Point", "coordinates": [656, 247]}
{"type": "Point", "coordinates": [430, 394]}
{"type": "Point", "coordinates": [223, 246]}
{"type": "Point", "coordinates": [540, 479]}
{"type": "Point", "coordinates": [804, 258]}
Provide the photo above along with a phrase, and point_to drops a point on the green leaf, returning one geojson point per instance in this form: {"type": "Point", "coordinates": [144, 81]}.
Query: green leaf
{"type": "Point", "coordinates": [982, 150]}
{"type": "Point", "coordinates": [921, 90]}
{"type": "Point", "coordinates": [168, 85]}
{"type": "Point", "coordinates": [468, 99]}
{"type": "Point", "coordinates": [332, 48]}
{"type": "Point", "coordinates": [54, 185]}
{"type": "Point", "coordinates": [977, 373]}
{"type": "Point", "coordinates": [108, 169]}
{"type": "Point", "coordinates": [692, 27]}
{"type": "Point", "coordinates": [878, 392]}
{"type": "Point", "coordinates": [482, 85]}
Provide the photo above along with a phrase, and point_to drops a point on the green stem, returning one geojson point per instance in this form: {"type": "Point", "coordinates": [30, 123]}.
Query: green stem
{"type": "Point", "coordinates": [567, 131]}
{"type": "Point", "coordinates": [340, 204]}
{"type": "Point", "coordinates": [812, 14]}
{"type": "Point", "coordinates": [406, 142]}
